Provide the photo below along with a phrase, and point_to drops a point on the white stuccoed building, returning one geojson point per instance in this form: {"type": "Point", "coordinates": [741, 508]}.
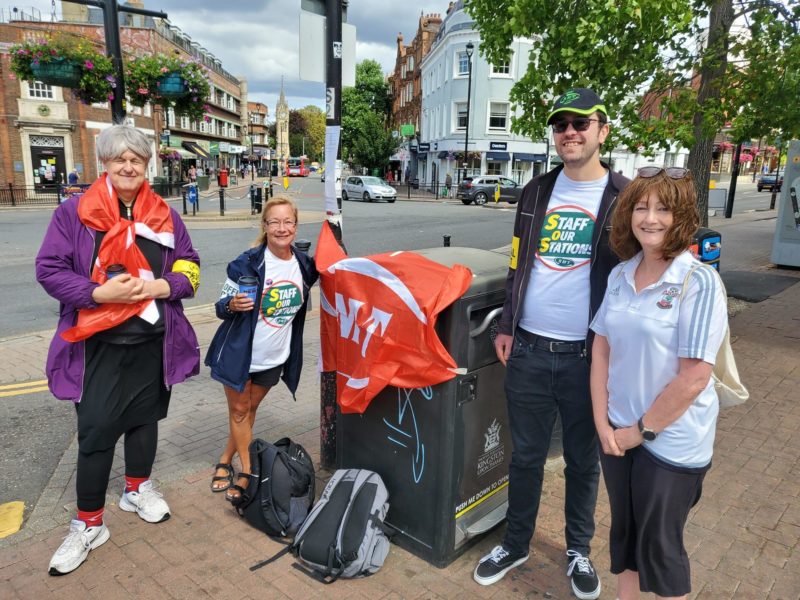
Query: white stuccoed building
{"type": "Point", "coordinates": [493, 149]}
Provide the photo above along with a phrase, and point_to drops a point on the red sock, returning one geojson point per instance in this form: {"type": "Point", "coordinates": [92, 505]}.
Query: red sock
{"type": "Point", "coordinates": [92, 518]}
{"type": "Point", "coordinates": [132, 483]}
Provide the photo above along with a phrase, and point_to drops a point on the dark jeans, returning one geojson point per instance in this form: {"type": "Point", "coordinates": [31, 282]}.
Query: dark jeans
{"type": "Point", "coordinates": [539, 383]}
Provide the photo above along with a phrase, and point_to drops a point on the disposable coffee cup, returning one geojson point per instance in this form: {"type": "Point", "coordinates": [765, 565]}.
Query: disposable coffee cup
{"type": "Point", "coordinates": [248, 285]}
{"type": "Point", "coordinates": [114, 270]}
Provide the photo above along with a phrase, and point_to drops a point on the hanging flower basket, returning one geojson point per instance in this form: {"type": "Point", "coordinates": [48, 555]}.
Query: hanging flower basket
{"type": "Point", "coordinates": [68, 61]}
{"type": "Point", "coordinates": [172, 85]}
{"type": "Point", "coordinates": [170, 81]}
{"type": "Point", "coordinates": [58, 72]}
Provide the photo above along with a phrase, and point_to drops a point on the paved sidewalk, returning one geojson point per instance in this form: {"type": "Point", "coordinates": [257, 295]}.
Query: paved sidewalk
{"type": "Point", "coordinates": [742, 538]}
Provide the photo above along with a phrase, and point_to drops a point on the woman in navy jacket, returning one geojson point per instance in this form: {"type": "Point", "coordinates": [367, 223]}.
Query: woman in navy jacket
{"type": "Point", "coordinates": [260, 340]}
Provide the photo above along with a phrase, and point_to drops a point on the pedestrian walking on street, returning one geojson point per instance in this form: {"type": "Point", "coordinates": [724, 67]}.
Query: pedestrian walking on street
{"type": "Point", "coordinates": [260, 341]}
{"type": "Point", "coordinates": [122, 340]}
{"type": "Point", "coordinates": [657, 334]}
{"type": "Point", "coordinates": [555, 284]}
{"type": "Point", "coordinates": [448, 183]}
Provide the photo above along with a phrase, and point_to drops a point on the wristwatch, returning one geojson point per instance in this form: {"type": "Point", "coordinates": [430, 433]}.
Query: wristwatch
{"type": "Point", "coordinates": [647, 434]}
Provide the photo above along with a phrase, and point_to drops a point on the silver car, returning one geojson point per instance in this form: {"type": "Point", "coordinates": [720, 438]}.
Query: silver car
{"type": "Point", "coordinates": [368, 189]}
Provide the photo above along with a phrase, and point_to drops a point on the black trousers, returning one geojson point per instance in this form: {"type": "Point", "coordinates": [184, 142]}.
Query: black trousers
{"type": "Point", "coordinates": [539, 384]}
{"type": "Point", "coordinates": [123, 394]}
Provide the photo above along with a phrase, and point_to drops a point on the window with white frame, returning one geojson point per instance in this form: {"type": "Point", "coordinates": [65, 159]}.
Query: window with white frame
{"type": "Point", "coordinates": [498, 116]}
{"type": "Point", "coordinates": [204, 127]}
{"type": "Point", "coordinates": [171, 117]}
{"type": "Point", "coordinates": [462, 64]}
{"type": "Point", "coordinates": [40, 90]}
{"type": "Point", "coordinates": [184, 122]}
{"type": "Point", "coordinates": [148, 110]}
{"type": "Point", "coordinates": [402, 71]}
{"type": "Point", "coordinates": [410, 63]}
{"type": "Point", "coordinates": [460, 112]}
{"type": "Point", "coordinates": [502, 68]}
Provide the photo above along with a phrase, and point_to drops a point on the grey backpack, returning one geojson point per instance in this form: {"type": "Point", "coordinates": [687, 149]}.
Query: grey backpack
{"type": "Point", "coordinates": [344, 534]}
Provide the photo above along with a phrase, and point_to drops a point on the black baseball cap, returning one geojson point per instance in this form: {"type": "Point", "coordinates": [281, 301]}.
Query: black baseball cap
{"type": "Point", "coordinates": [577, 100]}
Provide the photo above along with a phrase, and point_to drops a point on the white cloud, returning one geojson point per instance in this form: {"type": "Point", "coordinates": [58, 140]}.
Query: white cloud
{"type": "Point", "coordinates": [258, 39]}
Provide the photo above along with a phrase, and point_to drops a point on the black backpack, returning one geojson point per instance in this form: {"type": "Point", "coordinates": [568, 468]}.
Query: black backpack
{"type": "Point", "coordinates": [281, 487]}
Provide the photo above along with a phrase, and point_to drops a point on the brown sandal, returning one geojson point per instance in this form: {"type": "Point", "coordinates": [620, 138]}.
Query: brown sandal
{"type": "Point", "coordinates": [228, 478]}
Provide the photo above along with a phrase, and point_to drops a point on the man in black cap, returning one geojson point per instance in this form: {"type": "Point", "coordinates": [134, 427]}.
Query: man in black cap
{"type": "Point", "coordinates": [560, 261]}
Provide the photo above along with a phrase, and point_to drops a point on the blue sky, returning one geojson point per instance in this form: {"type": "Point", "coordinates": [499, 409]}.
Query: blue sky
{"type": "Point", "coordinates": [259, 38]}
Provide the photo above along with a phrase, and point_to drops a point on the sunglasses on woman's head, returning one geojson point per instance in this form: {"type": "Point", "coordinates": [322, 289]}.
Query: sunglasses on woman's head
{"type": "Point", "coordinates": [671, 172]}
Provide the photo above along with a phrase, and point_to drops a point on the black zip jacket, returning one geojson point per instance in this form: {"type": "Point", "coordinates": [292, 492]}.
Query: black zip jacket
{"type": "Point", "coordinates": [531, 211]}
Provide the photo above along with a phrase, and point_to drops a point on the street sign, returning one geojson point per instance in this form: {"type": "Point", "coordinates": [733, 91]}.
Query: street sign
{"type": "Point", "coordinates": [312, 49]}
{"type": "Point", "coordinates": [407, 130]}
{"type": "Point", "coordinates": [424, 146]}
{"type": "Point", "coordinates": [330, 101]}
{"type": "Point", "coordinates": [165, 132]}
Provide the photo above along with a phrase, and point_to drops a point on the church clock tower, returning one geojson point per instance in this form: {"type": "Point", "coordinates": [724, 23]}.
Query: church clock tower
{"type": "Point", "coordinates": [282, 129]}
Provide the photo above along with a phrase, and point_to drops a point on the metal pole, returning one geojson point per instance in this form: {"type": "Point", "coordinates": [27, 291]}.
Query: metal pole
{"type": "Point", "coordinates": [333, 84]}
{"type": "Point", "coordinates": [111, 11]}
{"type": "Point", "coordinates": [114, 50]}
{"type": "Point", "coordinates": [183, 196]}
{"type": "Point", "coordinates": [777, 179]}
{"type": "Point", "coordinates": [221, 202]}
{"type": "Point", "coordinates": [469, 95]}
{"type": "Point", "coordinates": [734, 175]}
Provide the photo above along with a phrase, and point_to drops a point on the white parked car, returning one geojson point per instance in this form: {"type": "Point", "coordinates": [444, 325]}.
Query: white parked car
{"type": "Point", "coordinates": [367, 188]}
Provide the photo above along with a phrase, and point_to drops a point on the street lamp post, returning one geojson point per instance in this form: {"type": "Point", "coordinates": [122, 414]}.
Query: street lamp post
{"type": "Point", "coordinates": [470, 49]}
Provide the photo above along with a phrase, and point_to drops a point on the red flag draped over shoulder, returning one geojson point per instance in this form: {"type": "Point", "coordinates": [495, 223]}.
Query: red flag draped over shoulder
{"type": "Point", "coordinates": [100, 211]}
{"type": "Point", "coordinates": [378, 320]}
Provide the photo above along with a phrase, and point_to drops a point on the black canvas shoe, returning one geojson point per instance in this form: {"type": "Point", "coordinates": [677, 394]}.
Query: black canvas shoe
{"type": "Point", "coordinates": [585, 582]}
{"type": "Point", "coordinates": [496, 564]}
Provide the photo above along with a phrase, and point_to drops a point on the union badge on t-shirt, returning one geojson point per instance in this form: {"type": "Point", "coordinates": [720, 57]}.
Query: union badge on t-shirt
{"type": "Point", "coordinates": [280, 302]}
{"type": "Point", "coordinates": [565, 242]}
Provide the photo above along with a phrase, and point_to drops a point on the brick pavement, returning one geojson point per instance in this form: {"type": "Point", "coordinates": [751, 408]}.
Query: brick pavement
{"type": "Point", "coordinates": [741, 538]}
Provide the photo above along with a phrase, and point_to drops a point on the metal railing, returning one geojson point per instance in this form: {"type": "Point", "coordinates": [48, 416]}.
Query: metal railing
{"type": "Point", "coordinates": [29, 196]}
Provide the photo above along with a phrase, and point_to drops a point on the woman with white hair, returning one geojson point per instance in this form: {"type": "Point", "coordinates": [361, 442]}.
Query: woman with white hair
{"type": "Point", "coordinates": [119, 260]}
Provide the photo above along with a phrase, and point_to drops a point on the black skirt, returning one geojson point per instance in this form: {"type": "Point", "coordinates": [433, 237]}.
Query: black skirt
{"type": "Point", "coordinates": [123, 388]}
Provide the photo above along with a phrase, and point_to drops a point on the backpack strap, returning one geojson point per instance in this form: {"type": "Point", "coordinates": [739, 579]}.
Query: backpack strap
{"type": "Point", "coordinates": [285, 550]}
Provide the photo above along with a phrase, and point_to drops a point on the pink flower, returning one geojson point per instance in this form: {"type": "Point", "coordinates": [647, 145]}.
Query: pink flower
{"type": "Point", "coordinates": [143, 91]}
{"type": "Point", "coordinates": [111, 97]}
{"type": "Point", "coordinates": [89, 65]}
{"type": "Point", "coordinates": [164, 70]}
{"type": "Point", "coordinates": [206, 118]}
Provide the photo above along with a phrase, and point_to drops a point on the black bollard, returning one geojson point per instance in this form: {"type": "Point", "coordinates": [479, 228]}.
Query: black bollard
{"type": "Point", "coordinates": [221, 202]}
{"type": "Point", "coordinates": [183, 196]}
{"type": "Point", "coordinates": [303, 245]}
{"type": "Point", "coordinates": [446, 241]}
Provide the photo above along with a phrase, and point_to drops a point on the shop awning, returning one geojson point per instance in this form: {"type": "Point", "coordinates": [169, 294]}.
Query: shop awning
{"type": "Point", "coordinates": [195, 148]}
{"type": "Point", "coordinates": [524, 157]}
{"type": "Point", "coordinates": [498, 156]}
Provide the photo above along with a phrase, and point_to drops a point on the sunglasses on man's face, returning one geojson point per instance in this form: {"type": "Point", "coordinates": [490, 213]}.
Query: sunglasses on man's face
{"type": "Point", "coordinates": [578, 124]}
{"type": "Point", "coordinates": [671, 172]}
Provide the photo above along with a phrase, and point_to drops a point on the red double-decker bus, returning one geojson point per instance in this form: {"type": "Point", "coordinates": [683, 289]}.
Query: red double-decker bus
{"type": "Point", "coordinates": [296, 167]}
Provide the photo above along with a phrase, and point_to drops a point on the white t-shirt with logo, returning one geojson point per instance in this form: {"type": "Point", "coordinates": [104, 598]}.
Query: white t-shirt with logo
{"type": "Point", "coordinates": [280, 300]}
{"type": "Point", "coordinates": [648, 333]}
{"type": "Point", "coordinates": [557, 298]}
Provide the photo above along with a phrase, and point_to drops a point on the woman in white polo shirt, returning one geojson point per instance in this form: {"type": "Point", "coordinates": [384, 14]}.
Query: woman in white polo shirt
{"type": "Point", "coordinates": [654, 403]}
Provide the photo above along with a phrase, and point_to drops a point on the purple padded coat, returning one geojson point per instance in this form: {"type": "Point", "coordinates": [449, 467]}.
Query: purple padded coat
{"type": "Point", "coordinates": [63, 268]}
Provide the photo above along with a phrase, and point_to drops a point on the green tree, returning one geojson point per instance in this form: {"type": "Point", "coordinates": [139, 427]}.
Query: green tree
{"type": "Point", "coordinates": [315, 131]}
{"type": "Point", "coordinates": [374, 144]}
{"type": "Point", "coordinates": [364, 105]}
{"type": "Point", "coordinates": [680, 60]}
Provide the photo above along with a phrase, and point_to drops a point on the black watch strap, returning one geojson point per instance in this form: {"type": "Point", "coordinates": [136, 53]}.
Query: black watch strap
{"type": "Point", "coordinates": [647, 434]}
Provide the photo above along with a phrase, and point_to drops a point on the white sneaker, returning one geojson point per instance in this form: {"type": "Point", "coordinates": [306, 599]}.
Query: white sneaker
{"type": "Point", "coordinates": [76, 546]}
{"type": "Point", "coordinates": [147, 503]}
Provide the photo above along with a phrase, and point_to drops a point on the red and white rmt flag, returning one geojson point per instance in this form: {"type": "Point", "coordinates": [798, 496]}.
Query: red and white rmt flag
{"type": "Point", "coordinates": [378, 318]}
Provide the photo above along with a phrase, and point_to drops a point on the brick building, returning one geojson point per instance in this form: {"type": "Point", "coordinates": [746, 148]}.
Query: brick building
{"type": "Point", "coordinates": [406, 87]}
{"type": "Point", "coordinates": [45, 133]}
{"type": "Point", "coordinates": [258, 132]}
